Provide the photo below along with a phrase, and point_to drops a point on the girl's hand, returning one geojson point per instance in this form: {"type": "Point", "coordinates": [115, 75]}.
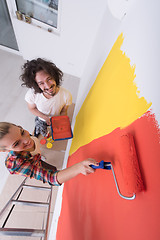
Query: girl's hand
{"type": "Point", "coordinates": [84, 166]}
{"type": "Point", "coordinates": [81, 167]}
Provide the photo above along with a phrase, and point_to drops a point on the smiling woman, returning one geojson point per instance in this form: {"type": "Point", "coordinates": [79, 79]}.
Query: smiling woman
{"type": "Point", "coordinates": [24, 157]}
{"type": "Point", "coordinates": [15, 138]}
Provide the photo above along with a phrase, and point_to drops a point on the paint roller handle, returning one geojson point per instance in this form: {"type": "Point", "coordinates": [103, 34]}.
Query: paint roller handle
{"type": "Point", "coordinates": [108, 166]}
{"type": "Point", "coordinates": [102, 165]}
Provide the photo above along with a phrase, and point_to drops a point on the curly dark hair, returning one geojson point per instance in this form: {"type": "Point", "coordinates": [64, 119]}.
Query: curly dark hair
{"type": "Point", "coordinates": [30, 68]}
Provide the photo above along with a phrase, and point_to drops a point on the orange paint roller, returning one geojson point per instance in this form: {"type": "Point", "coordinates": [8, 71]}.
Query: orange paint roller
{"type": "Point", "coordinates": [127, 170]}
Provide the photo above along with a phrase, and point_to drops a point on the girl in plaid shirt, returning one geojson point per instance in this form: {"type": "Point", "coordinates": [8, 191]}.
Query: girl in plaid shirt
{"type": "Point", "coordinates": [24, 158]}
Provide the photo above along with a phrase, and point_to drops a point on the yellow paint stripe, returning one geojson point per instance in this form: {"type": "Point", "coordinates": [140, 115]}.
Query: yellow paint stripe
{"type": "Point", "coordinates": [112, 102]}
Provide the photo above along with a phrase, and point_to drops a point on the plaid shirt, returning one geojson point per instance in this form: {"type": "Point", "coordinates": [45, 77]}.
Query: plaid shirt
{"type": "Point", "coordinates": [25, 164]}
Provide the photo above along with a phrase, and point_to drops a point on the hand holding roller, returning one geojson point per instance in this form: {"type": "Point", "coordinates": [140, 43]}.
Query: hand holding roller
{"type": "Point", "coordinates": [108, 166]}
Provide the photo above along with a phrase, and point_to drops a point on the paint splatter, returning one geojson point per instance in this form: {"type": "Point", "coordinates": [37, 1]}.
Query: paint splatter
{"type": "Point", "coordinates": [113, 100]}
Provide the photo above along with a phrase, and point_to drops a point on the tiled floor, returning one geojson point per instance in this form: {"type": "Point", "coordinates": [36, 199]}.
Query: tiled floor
{"type": "Point", "coordinates": [13, 109]}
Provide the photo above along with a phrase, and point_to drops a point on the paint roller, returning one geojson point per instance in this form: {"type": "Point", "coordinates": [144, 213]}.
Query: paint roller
{"type": "Point", "coordinates": [125, 169]}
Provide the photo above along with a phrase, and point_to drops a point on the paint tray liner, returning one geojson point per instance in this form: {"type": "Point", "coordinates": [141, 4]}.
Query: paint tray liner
{"type": "Point", "coordinates": [61, 128]}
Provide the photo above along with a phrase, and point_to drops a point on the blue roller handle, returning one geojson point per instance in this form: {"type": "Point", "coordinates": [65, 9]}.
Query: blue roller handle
{"type": "Point", "coordinates": [102, 165]}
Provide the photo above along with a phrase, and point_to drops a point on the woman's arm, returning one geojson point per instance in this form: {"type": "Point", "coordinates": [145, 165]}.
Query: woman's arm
{"type": "Point", "coordinates": [81, 167]}
{"type": "Point", "coordinates": [27, 168]}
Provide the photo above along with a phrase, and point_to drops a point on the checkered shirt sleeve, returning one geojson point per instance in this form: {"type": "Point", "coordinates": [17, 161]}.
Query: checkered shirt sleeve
{"type": "Point", "coordinates": [30, 166]}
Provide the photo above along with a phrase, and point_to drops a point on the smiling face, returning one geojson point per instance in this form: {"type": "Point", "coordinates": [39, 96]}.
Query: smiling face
{"type": "Point", "coordinates": [46, 83]}
{"type": "Point", "coordinates": [17, 139]}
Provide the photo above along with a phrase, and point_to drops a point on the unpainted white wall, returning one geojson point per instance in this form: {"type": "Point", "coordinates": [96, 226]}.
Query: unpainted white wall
{"type": "Point", "coordinates": [141, 44]}
{"type": "Point", "coordinates": [105, 38]}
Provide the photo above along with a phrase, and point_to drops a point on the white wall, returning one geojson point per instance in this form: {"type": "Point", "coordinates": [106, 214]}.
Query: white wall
{"type": "Point", "coordinates": [79, 23]}
{"type": "Point", "coordinates": [106, 36]}
{"type": "Point", "coordinates": [141, 44]}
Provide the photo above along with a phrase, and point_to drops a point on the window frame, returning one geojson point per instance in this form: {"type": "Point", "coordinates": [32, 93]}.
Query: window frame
{"type": "Point", "coordinates": [39, 23]}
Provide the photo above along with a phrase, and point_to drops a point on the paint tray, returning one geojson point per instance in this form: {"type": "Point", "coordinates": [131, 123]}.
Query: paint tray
{"type": "Point", "coordinates": [61, 128]}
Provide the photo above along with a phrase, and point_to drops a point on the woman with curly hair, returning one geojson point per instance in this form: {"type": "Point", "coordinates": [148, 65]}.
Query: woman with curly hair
{"type": "Point", "coordinates": [45, 97]}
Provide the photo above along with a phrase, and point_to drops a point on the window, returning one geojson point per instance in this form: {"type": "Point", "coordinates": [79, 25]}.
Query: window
{"type": "Point", "coordinates": [44, 11]}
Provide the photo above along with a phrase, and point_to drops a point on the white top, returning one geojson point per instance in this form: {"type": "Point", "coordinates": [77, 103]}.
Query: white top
{"type": "Point", "coordinates": [52, 106]}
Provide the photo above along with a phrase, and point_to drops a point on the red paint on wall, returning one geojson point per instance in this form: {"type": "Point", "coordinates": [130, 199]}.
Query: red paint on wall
{"type": "Point", "coordinates": [91, 206]}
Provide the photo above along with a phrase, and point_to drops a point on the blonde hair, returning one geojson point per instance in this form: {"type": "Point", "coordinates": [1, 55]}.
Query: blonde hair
{"type": "Point", "coordinates": [4, 129]}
